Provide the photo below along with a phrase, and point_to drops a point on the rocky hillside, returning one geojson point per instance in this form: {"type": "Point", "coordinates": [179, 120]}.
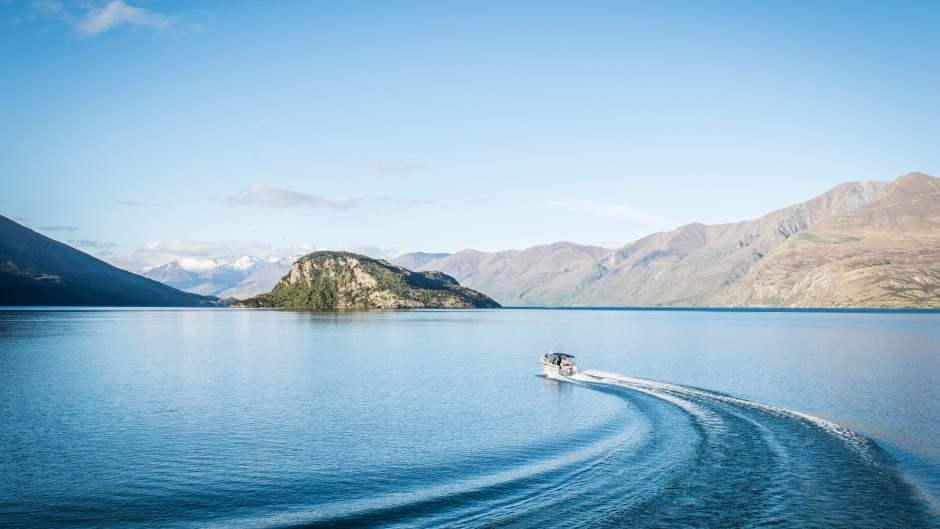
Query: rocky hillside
{"type": "Point", "coordinates": [883, 254]}
{"type": "Point", "coordinates": [346, 280]}
{"type": "Point", "coordinates": [805, 255]}
{"type": "Point", "coordinates": [36, 270]}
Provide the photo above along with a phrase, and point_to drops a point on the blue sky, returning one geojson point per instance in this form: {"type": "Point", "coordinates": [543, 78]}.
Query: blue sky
{"type": "Point", "coordinates": [142, 131]}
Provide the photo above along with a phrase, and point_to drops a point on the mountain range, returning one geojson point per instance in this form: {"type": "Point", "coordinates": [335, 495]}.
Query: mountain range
{"type": "Point", "coordinates": [861, 244]}
{"type": "Point", "coordinates": [36, 270]}
{"type": "Point", "coordinates": [225, 277]}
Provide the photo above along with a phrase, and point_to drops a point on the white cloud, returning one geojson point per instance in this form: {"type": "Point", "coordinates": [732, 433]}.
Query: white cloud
{"type": "Point", "coordinates": [415, 201]}
{"type": "Point", "coordinates": [607, 209]}
{"type": "Point", "coordinates": [276, 197]}
{"type": "Point", "coordinates": [115, 13]}
{"type": "Point", "coordinates": [395, 165]}
{"type": "Point", "coordinates": [48, 7]}
{"type": "Point", "coordinates": [281, 198]}
{"type": "Point", "coordinates": [156, 253]}
{"type": "Point", "coordinates": [91, 244]}
{"type": "Point", "coordinates": [374, 252]}
{"type": "Point", "coordinates": [58, 228]}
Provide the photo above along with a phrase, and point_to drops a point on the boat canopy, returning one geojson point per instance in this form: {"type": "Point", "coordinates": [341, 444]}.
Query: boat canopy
{"type": "Point", "coordinates": [562, 355]}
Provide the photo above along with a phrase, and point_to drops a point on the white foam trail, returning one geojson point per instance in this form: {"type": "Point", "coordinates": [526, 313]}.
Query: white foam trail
{"type": "Point", "coordinates": [858, 442]}
{"type": "Point", "coordinates": [699, 413]}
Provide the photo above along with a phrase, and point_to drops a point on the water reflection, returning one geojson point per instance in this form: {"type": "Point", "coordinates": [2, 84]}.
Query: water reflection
{"type": "Point", "coordinates": [553, 386]}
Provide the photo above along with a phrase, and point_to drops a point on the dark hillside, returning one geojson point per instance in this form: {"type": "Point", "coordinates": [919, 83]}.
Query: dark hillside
{"type": "Point", "coordinates": [36, 270]}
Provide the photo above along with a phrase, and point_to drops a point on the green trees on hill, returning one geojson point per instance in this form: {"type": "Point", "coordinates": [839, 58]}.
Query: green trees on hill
{"type": "Point", "coordinates": [348, 280]}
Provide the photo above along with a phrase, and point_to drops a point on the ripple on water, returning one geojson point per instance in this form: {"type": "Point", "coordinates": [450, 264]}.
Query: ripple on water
{"type": "Point", "coordinates": [678, 457]}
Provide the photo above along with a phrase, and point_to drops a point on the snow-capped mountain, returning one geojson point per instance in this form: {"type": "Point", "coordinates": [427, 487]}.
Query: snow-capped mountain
{"type": "Point", "coordinates": [261, 281]}
{"type": "Point", "coordinates": [207, 276]}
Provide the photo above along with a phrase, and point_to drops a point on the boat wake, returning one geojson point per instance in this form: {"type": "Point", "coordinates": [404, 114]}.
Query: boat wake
{"type": "Point", "coordinates": [676, 457]}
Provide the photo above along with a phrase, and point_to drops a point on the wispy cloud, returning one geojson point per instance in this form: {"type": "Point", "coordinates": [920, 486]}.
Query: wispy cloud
{"type": "Point", "coordinates": [47, 7]}
{"type": "Point", "coordinates": [218, 248]}
{"type": "Point", "coordinates": [116, 13]}
{"type": "Point", "coordinates": [480, 201]}
{"type": "Point", "coordinates": [281, 198]}
{"type": "Point", "coordinates": [414, 201]}
{"type": "Point", "coordinates": [41, 9]}
{"type": "Point", "coordinates": [375, 252]}
{"type": "Point", "coordinates": [129, 203]}
{"type": "Point", "coordinates": [98, 18]}
{"type": "Point", "coordinates": [58, 228]}
{"type": "Point", "coordinates": [395, 165]}
{"type": "Point", "coordinates": [92, 244]}
{"type": "Point", "coordinates": [607, 209]}
{"type": "Point", "coordinates": [156, 253]}
{"type": "Point", "coordinates": [277, 197]}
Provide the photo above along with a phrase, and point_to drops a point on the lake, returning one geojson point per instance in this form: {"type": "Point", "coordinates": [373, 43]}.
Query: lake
{"type": "Point", "coordinates": [265, 418]}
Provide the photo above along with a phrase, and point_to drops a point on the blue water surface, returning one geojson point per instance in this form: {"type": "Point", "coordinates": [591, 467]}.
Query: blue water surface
{"type": "Point", "coordinates": [264, 418]}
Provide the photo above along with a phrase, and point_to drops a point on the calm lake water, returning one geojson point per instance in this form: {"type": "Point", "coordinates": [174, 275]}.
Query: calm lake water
{"type": "Point", "coordinates": [241, 418]}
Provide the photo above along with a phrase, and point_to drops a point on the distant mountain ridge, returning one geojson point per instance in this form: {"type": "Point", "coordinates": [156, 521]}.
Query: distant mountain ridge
{"type": "Point", "coordinates": [860, 244]}
{"type": "Point", "coordinates": [36, 270]}
{"type": "Point", "coordinates": [246, 262]}
{"type": "Point", "coordinates": [260, 281]}
{"type": "Point", "coordinates": [412, 261]}
{"type": "Point", "coordinates": [895, 223]}
{"type": "Point", "coordinates": [329, 280]}
{"type": "Point", "coordinates": [206, 276]}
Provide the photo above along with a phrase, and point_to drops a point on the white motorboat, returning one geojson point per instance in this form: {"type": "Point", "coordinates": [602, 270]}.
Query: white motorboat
{"type": "Point", "coordinates": [559, 363]}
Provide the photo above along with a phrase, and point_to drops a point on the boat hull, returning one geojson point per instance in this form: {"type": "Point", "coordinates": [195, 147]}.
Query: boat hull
{"type": "Point", "coordinates": [565, 371]}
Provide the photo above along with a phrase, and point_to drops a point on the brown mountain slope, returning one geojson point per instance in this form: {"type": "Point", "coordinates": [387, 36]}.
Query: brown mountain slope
{"type": "Point", "coordinates": [885, 254]}
{"type": "Point", "coordinates": [687, 266]}
{"type": "Point", "coordinates": [537, 276]}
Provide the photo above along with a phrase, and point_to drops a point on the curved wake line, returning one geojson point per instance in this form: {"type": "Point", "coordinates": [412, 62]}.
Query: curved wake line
{"type": "Point", "coordinates": [335, 513]}
{"type": "Point", "coordinates": [801, 469]}
{"type": "Point", "coordinates": [667, 391]}
{"type": "Point", "coordinates": [677, 456]}
{"type": "Point", "coordinates": [388, 501]}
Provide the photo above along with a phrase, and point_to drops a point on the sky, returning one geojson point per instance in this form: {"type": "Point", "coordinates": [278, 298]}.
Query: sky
{"type": "Point", "coordinates": [141, 131]}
